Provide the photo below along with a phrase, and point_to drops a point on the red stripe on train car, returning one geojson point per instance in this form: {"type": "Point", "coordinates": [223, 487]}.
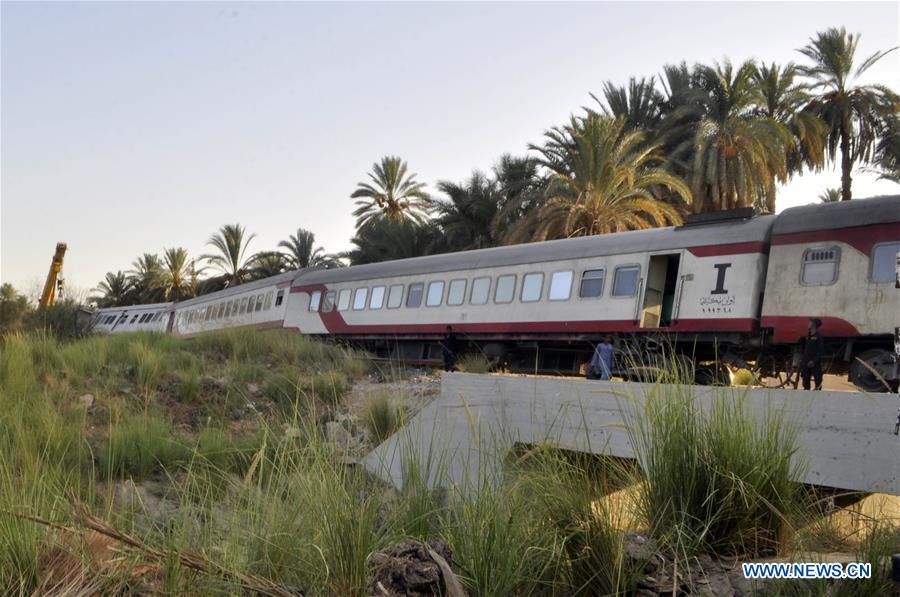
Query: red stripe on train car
{"type": "Point", "coordinates": [729, 249]}
{"type": "Point", "coordinates": [861, 238]}
{"type": "Point", "coordinates": [788, 329]}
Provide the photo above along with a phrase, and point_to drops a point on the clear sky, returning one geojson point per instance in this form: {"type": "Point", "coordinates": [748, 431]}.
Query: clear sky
{"type": "Point", "coordinates": [129, 127]}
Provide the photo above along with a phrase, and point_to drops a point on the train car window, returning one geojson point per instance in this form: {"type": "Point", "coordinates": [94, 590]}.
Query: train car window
{"type": "Point", "coordinates": [328, 303]}
{"type": "Point", "coordinates": [279, 298]}
{"type": "Point", "coordinates": [456, 292]}
{"type": "Point", "coordinates": [134, 319]}
{"type": "Point", "coordinates": [820, 266]}
{"type": "Point", "coordinates": [343, 302]}
{"type": "Point", "coordinates": [532, 287]}
{"type": "Point", "coordinates": [220, 311]}
{"type": "Point", "coordinates": [884, 262]}
{"type": "Point", "coordinates": [506, 288]}
{"type": "Point", "coordinates": [268, 302]}
{"type": "Point", "coordinates": [377, 299]}
{"type": "Point", "coordinates": [244, 302]}
{"type": "Point", "coordinates": [228, 306]}
{"type": "Point", "coordinates": [481, 290]}
{"type": "Point", "coordinates": [625, 281]}
{"type": "Point", "coordinates": [359, 299]}
{"type": "Point", "coordinates": [592, 281]}
{"type": "Point", "coordinates": [314, 299]}
{"type": "Point", "coordinates": [251, 303]}
{"type": "Point", "coordinates": [259, 302]}
{"type": "Point", "coordinates": [560, 286]}
{"type": "Point", "coordinates": [123, 318]}
{"type": "Point", "coordinates": [395, 296]}
{"type": "Point", "coordinates": [435, 294]}
{"type": "Point", "coordinates": [414, 295]}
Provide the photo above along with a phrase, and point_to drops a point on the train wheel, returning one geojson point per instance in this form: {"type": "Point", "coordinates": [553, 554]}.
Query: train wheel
{"type": "Point", "coordinates": [864, 370]}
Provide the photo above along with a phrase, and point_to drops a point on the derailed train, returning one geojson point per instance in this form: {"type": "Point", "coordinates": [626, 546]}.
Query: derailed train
{"type": "Point", "coordinates": [725, 287]}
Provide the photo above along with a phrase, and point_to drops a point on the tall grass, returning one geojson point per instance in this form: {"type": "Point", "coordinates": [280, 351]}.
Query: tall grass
{"type": "Point", "coordinates": [382, 416]}
{"type": "Point", "coordinates": [140, 445]}
{"type": "Point", "coordinates": [717, 482]}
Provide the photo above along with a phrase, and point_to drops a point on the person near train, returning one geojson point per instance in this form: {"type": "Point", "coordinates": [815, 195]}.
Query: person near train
{"type": "Point", "coordinates": [813, 351]}
{"type": "Point", "coordinates": [448, 349]}
{"type": "Point", "coordinates": [601, 364]}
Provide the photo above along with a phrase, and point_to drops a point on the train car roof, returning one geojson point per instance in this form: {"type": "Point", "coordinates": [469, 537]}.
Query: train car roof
{"type": "Point", "coordinates": [135, 307]}
{"type": "Point", "coordinates": [756, 229]}
{"type": "Point", "coordinates": [840, 214]}
{"type": "Point", "coordinates": [246, 287]}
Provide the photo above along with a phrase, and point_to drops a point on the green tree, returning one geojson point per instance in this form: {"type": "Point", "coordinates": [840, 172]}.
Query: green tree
{"type": "Point", "coordinates": [393, 194]}
{"type": "Point", "coordinates": [385, 240]}
{"type": "Point", "coordinates": [602, 179]}
{"type": "Point", "coordinates": [781, 95]}
{"type": "Point", "coordinates": [116, 290]}
{"type": "Point", "coordinates": [852, 112]}
{"type": "Point", "coordinates": [14, 309]}
{"type": "Point", "coordinates": [143, 278]}
{"type": "Point", "coordinates": [738, 152]}
{"type": "Point", "coordinates": [302, 252]}
{"type": "Point", "coordinates": [468, 217]}
{"type": "Point", "coordinates": [177, 280]}
{"type": "Point", "coordinates": [639, 105]}
{"type": "Point", "coordinates": [887, 151]}
{"type": "Point", "coordinates": [231, 243]}
{"type": "Point", "coordinates": [830, 195]}
{"type": "Point", "coordinates": [266, 264]}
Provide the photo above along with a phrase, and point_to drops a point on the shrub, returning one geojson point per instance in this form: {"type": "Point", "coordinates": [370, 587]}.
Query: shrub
{"type": "Point", "coordinates": [475, 362]}
{"type": "Point", "coordinates": [716, 482]}
{"type": "Point", "coordinates": [382, 416]}
{"type": "Point", "coordinates": [743, 377]}
{"type": "Point", "coordinates": [140, 445]}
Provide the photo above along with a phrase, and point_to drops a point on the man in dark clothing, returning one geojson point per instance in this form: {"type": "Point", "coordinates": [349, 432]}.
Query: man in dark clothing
{"type": "Point", "coordinates": [811, 365]}
{"type": "Point", "coordinates": [448, 348]}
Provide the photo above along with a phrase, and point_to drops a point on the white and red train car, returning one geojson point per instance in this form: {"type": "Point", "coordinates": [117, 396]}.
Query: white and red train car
{"type": "Point", "coordinates": [732, 285]}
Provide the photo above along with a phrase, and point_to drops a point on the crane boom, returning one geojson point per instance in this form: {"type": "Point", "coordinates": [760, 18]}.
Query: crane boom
{"type": "Point", "coordinates": [48, 296]}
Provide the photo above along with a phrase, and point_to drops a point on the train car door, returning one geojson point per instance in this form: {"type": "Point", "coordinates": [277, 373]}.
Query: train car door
{"type": "Point", "coordinates": [660, 288]}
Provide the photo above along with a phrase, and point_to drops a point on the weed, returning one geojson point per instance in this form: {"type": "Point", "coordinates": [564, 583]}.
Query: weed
{"type": "Point", "coordinates": [382, 416]}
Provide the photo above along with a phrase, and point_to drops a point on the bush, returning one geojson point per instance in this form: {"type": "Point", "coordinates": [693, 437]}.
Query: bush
{"type": "Point", "coordinates": [716, 482]}
{"type": "Point", "coordinates": [743, 377]}
{"type": "Point", "coordinates": [140, 445]}
{"type": "Point", "coordinates": [382, 416]}
{"type": "Point", "coordinates": [475, 362]}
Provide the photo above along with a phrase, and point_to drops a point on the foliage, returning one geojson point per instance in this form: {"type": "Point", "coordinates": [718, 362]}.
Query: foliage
{"type": "Point", "coordinates": [266, 264]}
{"type": "Point", "coordinates": [603, 179]}
{"type": "Point", "coordinates": [231, 243]}
{"type": "Point", "coordinates": [852, 113]}
{"type": "Point", "coordinates": [302, 252]}
{"type": "Point", "coordinates": [177, 277]}
{"type": "Point", "coordinates": [14, 309]}
{"type": "Point", "coordinates": [382, 416]}
{"type": "Point", "coordinates": [830, 195]}
{"type": "Point", "coordinates": [393, 195]}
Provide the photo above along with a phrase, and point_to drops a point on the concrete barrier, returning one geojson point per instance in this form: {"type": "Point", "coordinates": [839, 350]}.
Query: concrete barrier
{"type": "Point", "coordinates": [846, 439]}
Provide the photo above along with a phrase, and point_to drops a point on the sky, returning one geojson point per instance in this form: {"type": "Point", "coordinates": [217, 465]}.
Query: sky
{"type": "Point", "coordinates": [129, 127]}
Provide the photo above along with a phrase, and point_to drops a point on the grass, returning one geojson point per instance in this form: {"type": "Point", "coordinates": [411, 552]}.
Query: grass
{"type": "Point", "coordinates": [717, 482]}
{"type": "Point", "coordinates": [382, 416]}
{"type": "Point", "coordinates": [474, 362]}
{"type": "Point", "coordinates": [268, 495]}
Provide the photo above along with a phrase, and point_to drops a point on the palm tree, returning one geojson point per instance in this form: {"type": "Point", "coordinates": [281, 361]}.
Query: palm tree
{"type": "Point", "coordinates": [231, 242]}
{"type": "Point", "coordinates": [603, 179]}
{"type": "Point", "coordinates": [830, 195]}
{"type": "Point", "coordinates": [738, 153]}
{"type": "Point", "coordinates": [468, 217]}
{"type": "Point", "coordinates": [266, 264]}
{"type": "Point", "coordinates": [386, 240]}
{"type": "Point", "coordinates": [177, 278]}
{"type": "Point", "coordinates": [781, 97]}
{"type": "Point", "coordinates": [143, 277]}
{"type": "Point", "coordinates": [302, 252]}
{"type": "Point", "coordinates": [116, 289]}
{"type": "Point", "coordinates": [393, 194]}
{"type": "Point", "coordinates": [852, 113]}
{"type": "Point", "coordinates": [887, 151]}
{"type": "Point", "coordinates": [639, 105]}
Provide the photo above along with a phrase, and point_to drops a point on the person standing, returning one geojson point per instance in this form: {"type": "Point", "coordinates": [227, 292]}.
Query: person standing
{"type": "Point", "coordinates": [811, 365]}
{"type": "Point", "coordinates": [601, 363]}
{"type": "Point", "coordinates": [448, 349]}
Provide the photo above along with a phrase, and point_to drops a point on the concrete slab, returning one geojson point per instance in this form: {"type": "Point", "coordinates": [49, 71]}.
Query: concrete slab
{"type": "Point", "coordinates": [846, 439]}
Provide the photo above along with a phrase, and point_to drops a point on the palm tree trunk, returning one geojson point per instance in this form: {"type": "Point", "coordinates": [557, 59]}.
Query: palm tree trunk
{"type": "Point", "coordinates": [846, 159]}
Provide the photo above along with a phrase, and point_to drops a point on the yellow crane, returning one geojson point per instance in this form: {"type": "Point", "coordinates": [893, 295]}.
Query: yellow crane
{"type": "Point", "coordinates": [54, 283]}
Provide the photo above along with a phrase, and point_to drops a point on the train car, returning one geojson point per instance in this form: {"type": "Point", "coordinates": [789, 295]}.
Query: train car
{"type": "Point", "coordinates": [259, 304]}
{"type": "Point", "coordinates": [135, 318]}
{"type": "Point", "coordinates": [836, 262]}
{"type": "Point", "coordinates": [699, 285]}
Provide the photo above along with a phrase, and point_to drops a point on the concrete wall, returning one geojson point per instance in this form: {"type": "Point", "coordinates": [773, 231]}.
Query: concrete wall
{"type": "Point", "coordinates": [846, 439]}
